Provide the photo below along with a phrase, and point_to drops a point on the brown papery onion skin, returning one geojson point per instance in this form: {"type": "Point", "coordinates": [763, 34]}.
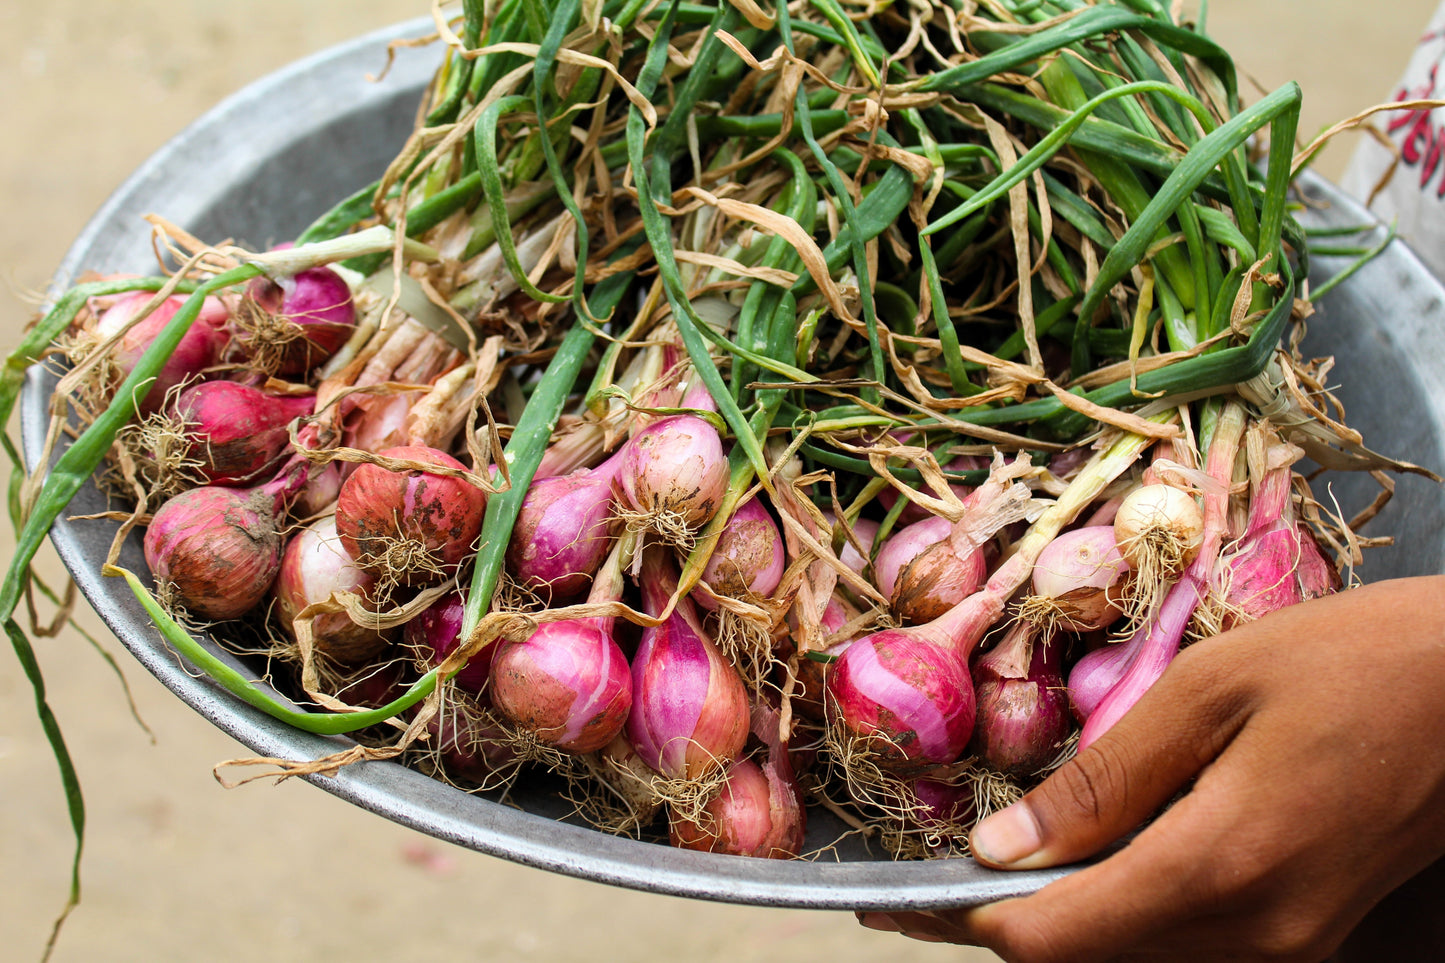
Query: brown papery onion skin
{"type": "Point", "coordinates": [378, 508]}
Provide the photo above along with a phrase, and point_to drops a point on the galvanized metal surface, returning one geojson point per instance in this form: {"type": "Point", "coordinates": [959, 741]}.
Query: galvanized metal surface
{"type": "Point", "coordinates": [241, 172]}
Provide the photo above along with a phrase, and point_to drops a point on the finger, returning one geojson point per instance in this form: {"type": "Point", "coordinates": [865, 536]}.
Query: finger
{"type": "Point", "coordinates": [924, 927]}
{"type": "Point", "coordinates": [1117, 783]}
{"type": "Point", "coordinates": [1138, 899]}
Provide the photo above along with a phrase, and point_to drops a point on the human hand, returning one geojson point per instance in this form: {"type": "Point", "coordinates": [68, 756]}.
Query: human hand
{"type": "Point", "coordinates": [1316, 741]}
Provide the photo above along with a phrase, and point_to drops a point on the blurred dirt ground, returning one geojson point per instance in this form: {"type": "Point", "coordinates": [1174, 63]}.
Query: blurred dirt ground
{"type": "Point", "coordinates": [177, 868]}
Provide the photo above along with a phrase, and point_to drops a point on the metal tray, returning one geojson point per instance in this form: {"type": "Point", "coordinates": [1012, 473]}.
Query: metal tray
{"type": "Point", "coordinates": [238, 173]}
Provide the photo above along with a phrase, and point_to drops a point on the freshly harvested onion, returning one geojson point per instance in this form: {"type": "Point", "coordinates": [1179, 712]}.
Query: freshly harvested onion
{"type": "Point", "coordinates": [953, 568]}
{"type": "Point", "coordinates": [437, 631]}
{"type": "Point", "coordinates": [220, 548]}
{"type": "Point", "coordinates": [903, 546]}
{"type": "Point", "coordinates": [562, 533]}
{"type": "Point", "coordinates": [903, 699]}
{"type": "Point", "coordinates": [1159, 530]}
{"type": "Point", "coordinates": [689, 714]}
{"type": "Point", "coordinates": [289, 325]}
{"type": "Point", "coordinates": [674, 473]}
{"type": "Point", "coordinates": [1078, 581]}
{"type": "Point", "coordinates": [199, 348]}
{"type": "Point", "coordinates": [1096, 673]}
{"type": "Point", "coordinates": [1023, 707]}
{"type": "Point", "coordinates": [234, 431]}
{"type": "Point", "coordinates": [753, 815]}
{"type": "Point", "coordinates": [568, 685]}
{"type": "Point", "coordinates": [409, 527]}
{"type": "Point", "coordinates": [314, 568]}
{"type": "Point", "coordinates": [748, 559]}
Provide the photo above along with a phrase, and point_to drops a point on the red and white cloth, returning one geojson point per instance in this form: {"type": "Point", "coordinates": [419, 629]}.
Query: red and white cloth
{"type": "Point", "coordinates": [1414, 197]}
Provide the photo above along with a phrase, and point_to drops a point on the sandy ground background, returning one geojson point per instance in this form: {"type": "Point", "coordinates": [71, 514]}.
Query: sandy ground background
{"type": "Point", "coordinates": [177, 868]}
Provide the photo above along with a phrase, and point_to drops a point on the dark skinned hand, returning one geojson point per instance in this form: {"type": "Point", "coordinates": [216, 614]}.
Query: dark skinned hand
{"type": "Point", "coordinates": [1315, 743]}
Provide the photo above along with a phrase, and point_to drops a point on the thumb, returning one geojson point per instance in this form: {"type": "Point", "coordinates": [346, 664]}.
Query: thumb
{"type": "Point", "coordinates": [1118, 782]}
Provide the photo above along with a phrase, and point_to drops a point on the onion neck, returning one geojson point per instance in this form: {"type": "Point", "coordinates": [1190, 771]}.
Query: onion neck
{"type": "Point", "coordinates": [610, 582]}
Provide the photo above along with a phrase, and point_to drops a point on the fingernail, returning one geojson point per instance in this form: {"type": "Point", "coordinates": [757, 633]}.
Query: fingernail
{"type": "Point", "coordinates": [879, 921]}
{"type": "Point", "coordinates": [1006, 837]}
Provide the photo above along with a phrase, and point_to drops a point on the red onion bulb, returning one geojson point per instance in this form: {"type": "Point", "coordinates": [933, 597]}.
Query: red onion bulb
{"type": "Point", "coordinates": [437, 631]}
{"type": "Point", "coordinates": [748, 559]}
{"type": "Point", "coordinates": [903, 546]}
{"type": "Point", "coordinates": [1078, 580]}
{"type": "Point", "coordinates": [1023, 707]}
{"type": "Point", "coordinates": [568, 685]}
{"type": "Point", "coordinates": [674, 472]}
{"type": "Point", "coordinates": [314, 567]}
{"type": "Point", "coordinates": [296, 323]}
{"type": "Point", "coordinates": [409, 526]}
{"type": "Point", "coordinates": [561, 535]}
{"type": "Point", "coordinates": [199, 348]}
{"type": "Point", "coordinates": [757, 813]}
{"type": "Point", "coordinates": [906, 700]}
{"type": "Point", "coordinates": [220, 548]}
{"type": "Point", "coordinates": [235, 431]}
{"type": "Point", "coordinates": [689, 706]}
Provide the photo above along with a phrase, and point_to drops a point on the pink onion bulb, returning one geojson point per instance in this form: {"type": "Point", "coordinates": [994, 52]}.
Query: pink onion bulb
{"type": "Point", "coordinates": [1095, 674]}
{"type": "Point", "coordinates": [689, 706]}
{"type": "Point", "coordinates": [748, 559]}
{"type": "Point", "coordinates": [199, 348]}
{"type": "Point", "coordinates": [562, 533]}
{"type": "Point", "coordinates": [1023, 707]}
{"type": "Point", "coordinates": [941, 806]}
{"type": "Point", "coordinates": [235, 431]}
{"type": "Point", "coordinates": [866, 531]}
{"type": "Point", "coordinates": [568, 685]}
{"type": "Point", "coordinates": [292, 324]}
{"type": "Point", "coordinates": [1261, 576]}
{"type": "Point", "coordinates": [436, 632]}
{"type": "Point", "coordinates": [753, 815]}
{"type": "Point", "coordinates": [315, 567]}
{"type": "Point", "coordinates": [409, 526]}
{"type": "Point", "coordinates": [674, 472]}
{"type": "Point", "coordinates": [759, 811]}
{"type": "Point", "coordinates": [1317, 576]}
{"type": "Point", "coordinates": [220, 548]}
{"type": "Point", "coordinates": [903, 698]}
{"type": "Point", "coordinates": [1078, 581]}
